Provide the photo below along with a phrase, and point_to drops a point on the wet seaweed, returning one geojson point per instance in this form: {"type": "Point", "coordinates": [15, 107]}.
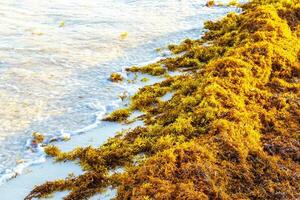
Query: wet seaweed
{"type": "Point", "coordinates": [116, 77]}
{"type": "Point", "coordinates": [231, 129]}
{"type": "Point", "coordinates": [118, 115]}
{"type": "Point", "coordinates": [210, 3]}
{"type": "Point", "coordinates": [153, 69]}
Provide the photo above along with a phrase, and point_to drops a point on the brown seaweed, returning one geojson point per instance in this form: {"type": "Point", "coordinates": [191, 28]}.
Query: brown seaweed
{"type": "Point", "coordinates": [231, 129]}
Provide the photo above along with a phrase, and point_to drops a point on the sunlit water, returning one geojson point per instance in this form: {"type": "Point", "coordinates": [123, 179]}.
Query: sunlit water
{"type": "Point", "coordinates": [56, 57]}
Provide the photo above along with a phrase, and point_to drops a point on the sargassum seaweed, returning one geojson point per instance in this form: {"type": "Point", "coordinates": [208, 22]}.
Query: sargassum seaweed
{"type": "Point", "coordinates": [230, 131]}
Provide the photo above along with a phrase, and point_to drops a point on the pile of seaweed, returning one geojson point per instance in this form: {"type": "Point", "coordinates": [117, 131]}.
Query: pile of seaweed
{"type": "Point", "coordinates": [231, 129]}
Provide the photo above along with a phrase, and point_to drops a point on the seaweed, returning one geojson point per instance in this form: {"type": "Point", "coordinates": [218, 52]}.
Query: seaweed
{"type": "Point", "coordinates": [118, 115]}
{"type": "Point", "coordinates": [153, 69]}
{"type": "Point", "coordinates": [231, 129]}
{"type": "Point", "coordinates": [144, 79]}
{"type": "Point", "coordinates": [116, 77]}
{"type": "Point", "coordinates": [210, 3]}
{"type": "Point", "coordinates": [38, 137]}
{"type": "Point", "coordinates": [233, 3]}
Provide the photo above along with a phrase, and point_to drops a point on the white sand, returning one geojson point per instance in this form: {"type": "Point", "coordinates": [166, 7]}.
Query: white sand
{"type": "Point", "coordinates": [18, 188]}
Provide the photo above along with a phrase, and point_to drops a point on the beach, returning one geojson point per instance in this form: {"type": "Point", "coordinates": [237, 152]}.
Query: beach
{"type": "Point", "coordinates": [191, 100]}
{"type": "Point", "coordinates": [56, 59]}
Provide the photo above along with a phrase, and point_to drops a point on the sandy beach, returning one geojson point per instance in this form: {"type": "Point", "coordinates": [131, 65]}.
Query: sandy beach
{"type": "Point", "coordinates": [150, 100]}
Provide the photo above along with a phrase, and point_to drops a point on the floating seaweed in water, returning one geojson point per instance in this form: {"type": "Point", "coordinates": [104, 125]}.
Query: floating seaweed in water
{"type": "Point", "coordinates": [231, 129]}
{"type": "Point", "coordinates": [210, 3]}
{"type": "Point", "coordinates": [116, 77]}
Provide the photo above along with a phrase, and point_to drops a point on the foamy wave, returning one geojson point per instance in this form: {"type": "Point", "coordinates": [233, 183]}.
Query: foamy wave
{"type": "Point", "coordinates": [36, 155]}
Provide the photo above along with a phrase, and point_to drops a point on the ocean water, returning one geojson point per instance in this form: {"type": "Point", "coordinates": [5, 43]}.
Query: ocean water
{"type": "Point", "coordinates": [56, 57]}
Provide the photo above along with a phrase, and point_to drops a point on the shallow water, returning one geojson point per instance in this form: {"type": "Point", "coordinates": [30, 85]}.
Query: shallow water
{"type": "Point", "coordinates": [56, 57]}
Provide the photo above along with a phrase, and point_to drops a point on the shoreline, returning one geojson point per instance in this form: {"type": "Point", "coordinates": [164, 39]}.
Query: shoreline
{"type": "Point", "coordinates": [39, 156]}
{"type": "Point", "coordinates": [230, 130]}
{"type": "Point", "coordinates": [194, 138]}
{"type": "Point", "coordinates": [86, 91]}
{"type": "Point", "coordinates": [18, 187]}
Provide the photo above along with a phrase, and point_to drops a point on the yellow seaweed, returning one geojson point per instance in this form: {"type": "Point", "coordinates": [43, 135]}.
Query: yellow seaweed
{"type": "Point", "coordinates": [116, 77]}
{"type": "Point", "coordinates": [231, 129]}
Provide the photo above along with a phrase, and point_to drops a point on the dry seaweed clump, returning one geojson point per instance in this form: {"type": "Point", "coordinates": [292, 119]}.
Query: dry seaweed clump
{"type": "Point", "coordinates": [231, 129]}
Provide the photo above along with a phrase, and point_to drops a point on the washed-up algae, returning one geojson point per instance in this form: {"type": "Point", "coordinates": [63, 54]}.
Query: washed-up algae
{"type": "Point", "coordinates": [116, 77]}
{"type": "Point", "coordinates": [231, 129]}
